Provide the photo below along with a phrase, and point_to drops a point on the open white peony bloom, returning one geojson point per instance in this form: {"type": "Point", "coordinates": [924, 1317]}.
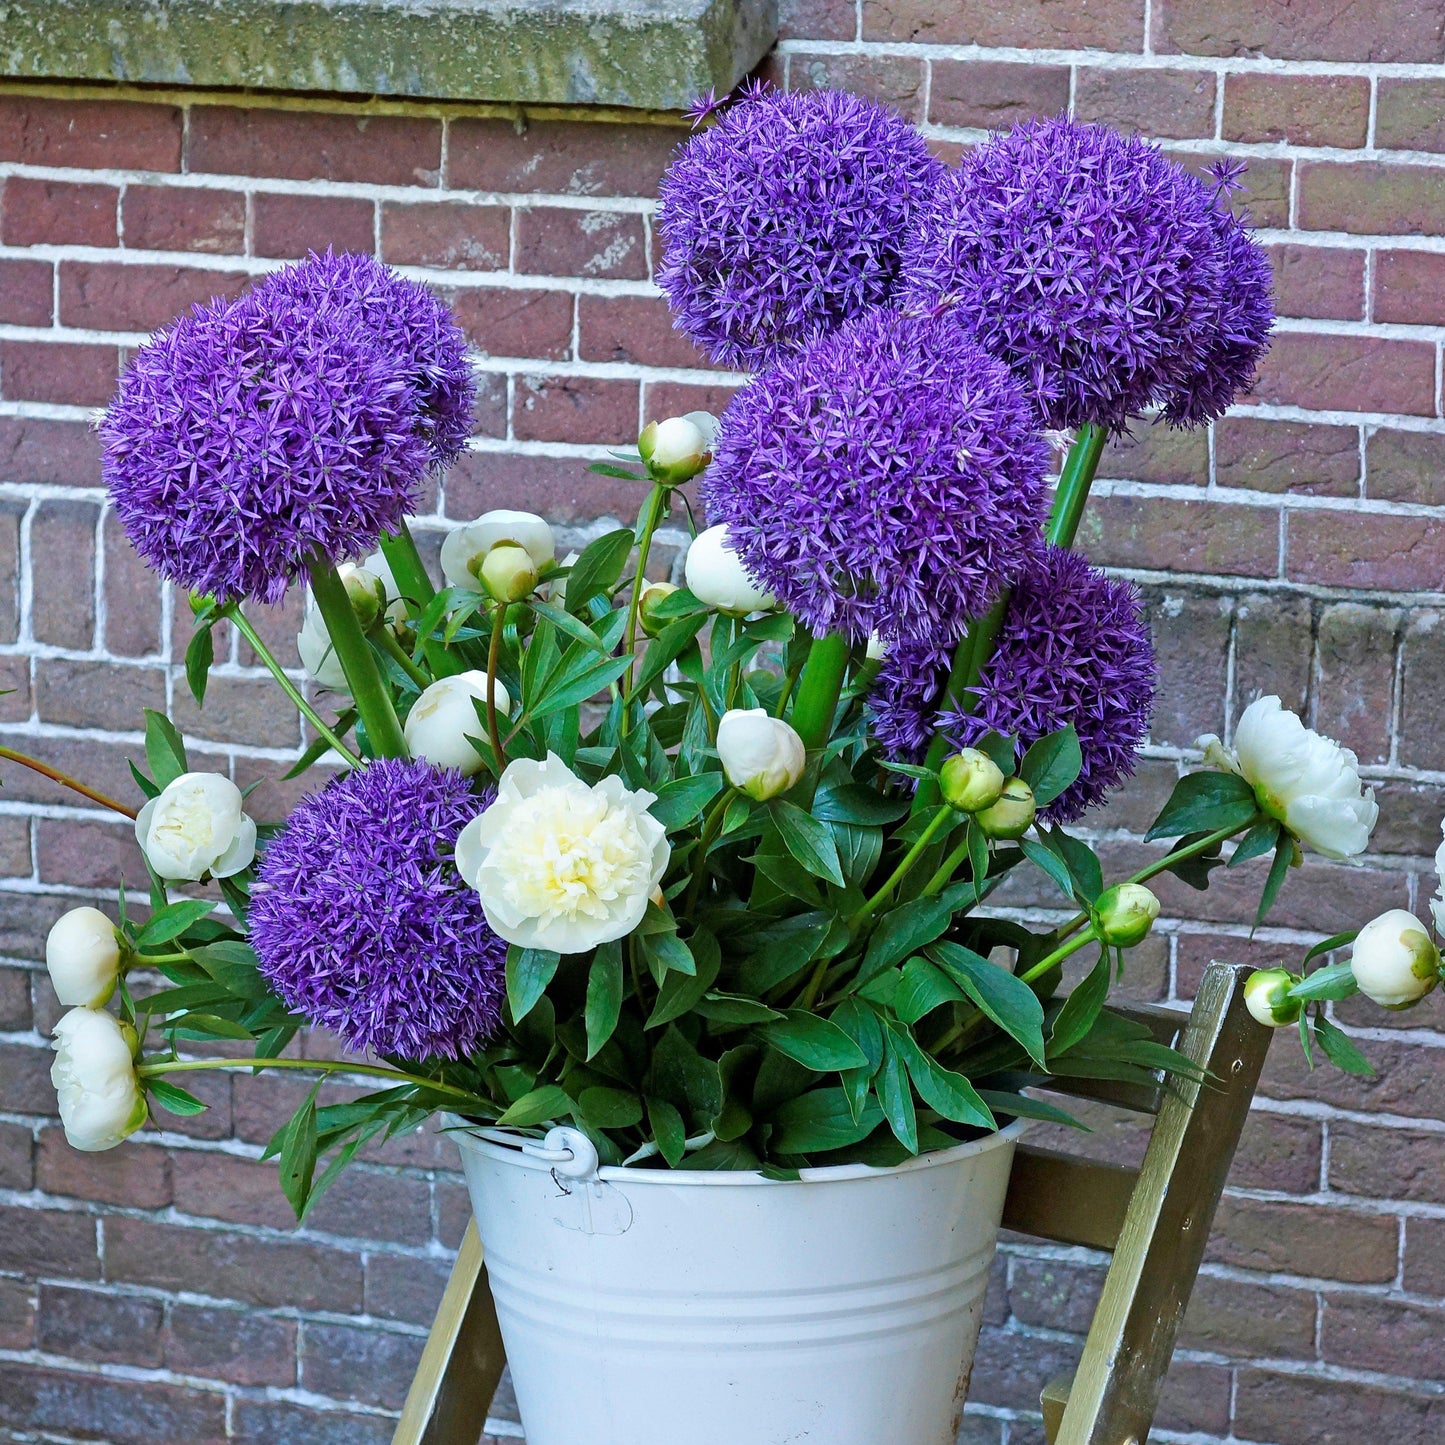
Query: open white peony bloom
{"type": "Point", "coordinates": [196, 827]}
{"type": "Point", "coordinates": [1308, 782]}
{"type": "Point", "coordinates": [82, 955]}
{"type": "Point", "coordinates": [559, 864]}
{"type": "Point", "coordinates": [94, 1076]}
{"type": "Point", "coordinates": [465, 546]}
{"type": "Point", "coordinates": [445, 716]}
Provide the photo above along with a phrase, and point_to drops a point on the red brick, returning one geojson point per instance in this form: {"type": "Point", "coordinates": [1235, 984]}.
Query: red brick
{"type": "Point", "coordinates": [132, 596]}
{"type": "Point", "coordinates": [1405, 466]}
{"type": "Point", "coordinates": [238, 1346]}
{"type": "Point", "coordinates": [81, 375]}
{"type": "Point", "coordinates": [1410, 287]}
{"type": "Point", "coordinates": [47, 1243]}
{"type": "Point", "coordinates": [1301, 1239]}
{"type": "Point", "coordinates": [88, 1325]}
{"type": "Point", "coordinates": [1310, 110]}
{"type": "Point", "coordinates": [1287, 456]}
{"type": "Point", "coordinates": [288, 226]}
{"type": "Point", "coordinates": [26, 291]}
{"type": "Point", "coordinates": [1393, 30]}
{"type": "Point", "coordinates": [1191, 641]}
{"type": "Point", "coordinates": [1387, 1336]}
{"type": "Point", "coordinates": [1387, 1164]}
{"type": "Point", "coordinates": [1407, 1079]}
{"type": "Point", "coordinates": [1354, 676]}
{"type": "Point", "coordinates": [1107, 24]}
{"type": "Point", "coordinates": [1158, 453]}
{"type": "Point", "coordinates": [1371, 198]}
{"type": "Point", "coordinates": [109, 296]}
{"type": "Point", "coordinates": [171, 218]}
{"type": "Point", "coordinates": [400, 1287]}
{"type": "Point", "coordinates": [17, 1315]}
{"type": "Point", "coordinates": [262, 1422]}
{"type": "Point", "coordinates": [90, 854]}
{"type": "Point", "coordinates": [36, 450]}
{"type": "Point", "coordinates": [1422, 743]}
{"type": "Point", "coordinates": [446, 234]}
{"type": "Point", "coordinates": [1176, 104]}
{"type": "Point", "coordinates": [1348, 373]}
{"type": "Point", "coordinates": [1424, 1271]}
{"type": "Point", "coordinates": [896, 80]}
{"type": "Point", "coordinates": [1273, 642]}
{"type": "Point", "coordinates": [560, 157]}
{"type": "Point", "coordinates": [817, 19]}
{"type": "Point", "coordinates": [553, 241]}
{"type": "Point", "coordinates": [238, 709]}
{"type": "Point", "coordinates": [1265, 184]}
{"type": "Point", "coordinates": [633, 329]}
{"type": "Point", "coordinates": [1278, 1151]}
{"type": "Point", "coordinates": [95, 134]}
{"type": "Point", "coordinates": [37, 212]}
{"type": "Point", "coordinates": [512, 322]}
{"type": "Point", "coordinates": [561, 487]}
{"type": "Point", "coordinates": [1167, 535]}
{"type": "Point", "coordinates": [370, 1366]}
{"type": "Point", "coordinates": [97, 694]}
{"type": "Point", "coordinates": [126, 1412]}
{"type": "Point", "coordinates": [995, 94]}
{"type": "Point", "coordinates": [1410, 114]}
{"type": "Point", "coordinates": [1303, 1409]}
{"type": "Point", "coordinates": [677, 398]}
{"type": "Point", "coordinates": [574, 409]}
{"type": "Point", "coordinates": [1343, 549]}
{"type": "Point", "coordinates": [1318, 281]}
{"type": "Point", "coordinates": [138, 1175]}
{"type": "Point", "coordinates": [1231, 1317]}
{"type": "Point", "coordinates": [62, 544]}
{"type": "Point", "coordinates": [315, 145]}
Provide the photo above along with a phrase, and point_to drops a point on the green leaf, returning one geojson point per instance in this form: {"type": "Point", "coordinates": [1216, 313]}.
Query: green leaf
{"type": "Point", "coordinates": [320, 747]}
{"type": "Point", "coordinates": [1002, 750]}
{"type": "Point", "coordinates": [941, 1089]}
{"type": "Point", "coordinates": [808, 840]}
{"type": "Point", "coordinates": [861, 1025]}
{"type": "Point", "coordinates": [1002, 996]}
{"type": "Point", "coordinates": [174, 1100]}
{"type": "Point", "coordinates": [665, 954]}
{"type": "Point", "coordinates": [298, 1153]}
{"type": "Point", "coordinates": [575, 686]}
{"type": "Point", "coordinates": [734, 1009]}
{"type": "Point", "coordinates": [1081, 861]}
{"type": "Point", "coordinates": [668, 1129]}
{"type": "Point", "coordinates": [925, 987]}
{"type": "Point", "coordinates": [1340, 1051]}
{"type": "Point", "coordinates": [597, 571]}
{"type": "Point", "coordinates": [682, 1076]}
{"type": "Point", "coordinates": [665, 648]}
{"type": "Point", "coordinates": [820, 1120]}
{"type": "Point", "coordinates": [209, 1026]}
{"type": "Point", "coordinates": [1052, 764]}
{"type": "Point", "coordinates": [681, 800]}
{"type": "Point", "coordinates": [172, 921]}
{"type": "Point", "coordinates": [1045, 859]}
{"type": "Point", "coordinates": [1203, 802]}
{"type": "Point", "coordinates": [1337, 981]}
{"type": "Point", "coordinates": [855, 803]}
{"type": "Point", "coordinates": [1023, 1107]}
{"type": "Point", "coordinates": [609, 1108]}
{"type": "Point", "coordinates": [681, 992]}
{"type": "Point", "coordinates": [902, 931]}
{"type": "Point", "coordinates": [165, 751]}
{"type": "Point", "coordinates": [1259, 840]}
{"type": "Point", "coordinates": [895, 1094]}
{"type": "Point", "coordinates": [604, 995]}
{"type": "Point", "coordinates": [1278, 869]}
{"type": "Point", "coordinates": [538, 1107]}
{"type": "Point", "coordinates": [529, 971]}
{"type": "Point", "coordinates": [605, 469]}
{"type": "Point", "coordinates": [1081, 1008]}
{"type": "Point", "coordinates": [814, 1042]}
{"type": "Point", "coordinates": [1328, 945]}
{"type": "Point", "coordinates": [859, 851]}
{"type": "Point", "coordinates": [566, 622]}
{"type": "Point", "coordinates": [200, 654]}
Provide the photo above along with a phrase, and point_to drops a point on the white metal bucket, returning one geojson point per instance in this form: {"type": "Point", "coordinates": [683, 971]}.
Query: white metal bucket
{"type": "Point", "coordinates": [658, 1307]}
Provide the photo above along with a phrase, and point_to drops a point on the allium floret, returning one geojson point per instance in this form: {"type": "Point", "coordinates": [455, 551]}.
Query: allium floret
{"type": "Point", "coordinates": [888, 478]}
{"type": "Point", "coordinates": [1090, 263]}
{"type": "Point", "coordinates": [904, 701]}
{"type": "Point", "coordinates": [362, 924]}
{"type": "Point", "coordinates": [1074, 647]}
{"type": "Point", "coordinates": [299, 418]}
{"type": "Point", "coordinates": [786, 217]}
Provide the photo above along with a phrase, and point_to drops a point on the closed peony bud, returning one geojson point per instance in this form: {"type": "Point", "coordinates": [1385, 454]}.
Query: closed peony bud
{"type": "Point", "coordinates": [1126, 913]}
{"type": "Point", "coordinates": [370, 589]}
{"type": "Point", "coordinates": [652, 594]}
{"type": "Point", "coordinates": [715, 575]}
{"type": "Point", "coordinates": [365, 591]}
{"type": "Point", "coordinates": [95, 1081]}
{"type": "Point", "coordinates": [1266, 996]}
{"type": "Point", "coordinates": [196, 827]}
{"type": "Point", "coordinates": [971, 781]}
{"type": "Point", "coordinates": [508, 573]}
{"type": "Point", "coordinates": [464, 547]}
{"type": "Point", "coordinates": [761, 755]}
{"type": "Point", "coordinates": [82, 953]}
{"type": "Point", "coordinates": [1394, 962]}
{"type": "Point", "coordinates": [445, 716]}
{"type": "Point", "coordinates": [1012, 815]}
{"type": "Point", "coordinates": [674, 450]}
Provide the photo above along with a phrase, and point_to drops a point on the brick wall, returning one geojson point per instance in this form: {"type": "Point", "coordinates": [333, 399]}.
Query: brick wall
{"type": "Point", "coordinates": [159, 1293]}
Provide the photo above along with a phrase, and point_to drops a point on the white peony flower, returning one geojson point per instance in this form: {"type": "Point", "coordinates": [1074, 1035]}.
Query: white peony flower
{"type": "Point", "coordinates": [82, 955]}
{"type": "Point", "coordinates": [715, 574]}
{"type": "Point", "coordinates": [1437, 903]}
{"type": "Point", "coordinates": [1394, 962]}
{"type": "Point", "coordinates": [445, 716]}
{"type": "Point", "coordinates": [1308, 782]}
{"type": "Point", "coordinates": [561, 865]}
{"type": "Point", "coordinates": [465, 546]}
{"type": "Point", "coordinates": [196, 827]}
{"type": "Point", "coordinates": [761, 755]}
{"type": "Point", "coordinates": [94, 1076]}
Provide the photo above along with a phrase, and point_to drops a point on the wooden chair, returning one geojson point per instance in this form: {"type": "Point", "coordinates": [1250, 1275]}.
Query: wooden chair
{"type": "Point", "coordinates": [1155, 1219]}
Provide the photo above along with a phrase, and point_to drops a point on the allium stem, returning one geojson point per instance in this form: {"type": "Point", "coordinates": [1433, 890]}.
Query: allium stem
{"type": "Point", "coordinates": [494, 658]}
{"type": "Point", "coordinates": [66, 781]}
{"type": "Point", "coordinates": [1075, 479]}
{"type": "Point", "coordinates": [819, 688]}
{"type": "Point", "coordinates": [315, 1066]}
{"type": "Point", "coordinates": [368, 691]}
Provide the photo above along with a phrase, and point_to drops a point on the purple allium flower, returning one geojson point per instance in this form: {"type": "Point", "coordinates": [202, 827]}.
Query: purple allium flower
{"type": "Point", "coordinates": [904, 700]}
{"type": "Point", "coordinates": [362, 924]}
{"type": "Point", "coordinates": [786, 217]}
{"type": "Point", "coordinates": [889, 477]}
{"type": "Point", "coordinates": [1083, 258]}
{"type": "Point", "coordinates": [298, 418]}
{"type": "Point", "coordinates": [1074, 647]}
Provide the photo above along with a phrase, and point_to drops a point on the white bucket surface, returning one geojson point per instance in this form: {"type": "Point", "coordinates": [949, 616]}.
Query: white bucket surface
{"type": "Point", "coordinates": [658, 1307]}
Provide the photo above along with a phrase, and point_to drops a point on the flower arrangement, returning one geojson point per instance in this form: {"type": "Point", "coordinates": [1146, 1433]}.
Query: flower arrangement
{"type": "Point", "coordinates": [705, 871]}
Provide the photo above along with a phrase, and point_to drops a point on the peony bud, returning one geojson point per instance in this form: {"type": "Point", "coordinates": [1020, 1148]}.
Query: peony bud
{"type": "Point", "coordinates": [761, 755]}
{"type": "Point", "coordinates": [82, 953]}
{"type": "Point", "coordinates": [674, 450]}
{"type": "Point", "coordinates": [200, 602]}
{"type": "Point", "coordinates": [195, 827]}
{"type": "Point", "coordinates": [1394, 962]}
{"type": "Point", "coordinates": [716, 575]}
{"type": "Point", "coordinates": [95, 1081]}
{"type": "Point", "coordinates": [1266, 996]}
{"type": "Point", "coordinates": [464, 547]}
{"type": "Point", "coordinates": [508, 573]}
{"type": "Point", "coordinates": [445, 716]}
{"type": "Point", "coordinates": [370, 589]}
{"type": "Point", "coordinates": [971, 781]}
{"type": "Point", "coordinates": [1012, 815]}
{"type": "Point", "coordinates": [652, 594]}
{"type": "Point", "coordinates": [365, 591]}
{"type": "Point", "coordinates": [1126, 914]}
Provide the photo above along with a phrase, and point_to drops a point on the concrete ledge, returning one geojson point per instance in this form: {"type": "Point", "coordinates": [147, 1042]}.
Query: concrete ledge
{"type": "Point", "coordinates": [649, 54]}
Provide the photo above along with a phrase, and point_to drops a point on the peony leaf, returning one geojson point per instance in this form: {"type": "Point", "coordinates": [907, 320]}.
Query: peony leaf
{"type": "Point", "coordinates": [604, 995]}
{"type": "Point", "coordinates": [165, 749]}
{"type": "Point", "coordinates": [820, 1120]}
{"type": "Point", "coordinates": [596, 572]}
{"type": "Point", "coordinates": [1202, 802]}
{"type": "Point", "coordinates": [173, 1099]}
{"type": "Point", "coordinates": [813, 1042]}
{"type": "Point", "coordinates": [1001, 995]}
{"type": "Point", "coordinates": [808, 840]}
{"type": "Point", "coordinates": [1052, 764]}
{"type": "Point", "coordinates": [529, 971]}
{"type": "Point", "coordinates": [538, 1107]}
{"type": "Point", "coordinates": [1340, 1051]}
{"type": "Point", "coordinates": [200, 654]}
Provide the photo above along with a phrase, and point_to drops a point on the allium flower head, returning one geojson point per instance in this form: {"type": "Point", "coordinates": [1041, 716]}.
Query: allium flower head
{"type": "Point", "coordinates": [787, 216]}
{"type": "Point", "coordinates": [889, 478]}
{"type": "Point", "coordinates": [904, 700]}
{"type": "Point", "coordinates": [1083, 258]}
{"type": "Point", "coordinates": [299, 418]}
{"type": "Point", "coordinates": [362, 924]}
{"type": "Point", "coordinates": [1073, 648]}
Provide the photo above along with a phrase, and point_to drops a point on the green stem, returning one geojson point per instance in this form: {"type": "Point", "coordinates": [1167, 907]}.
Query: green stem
{"type": "Point", "coordinates": [653, 511]}
{"type": "Point", "coordinates": [369, 692]}
{"type": "Point", "coordinates": [315, 1066]}
{"type": "Point", "coordinates": [710, 828]}
{"type": "Point", "coordinates": [819, 688]}
{"type": "Point", "coordinates": [1052, 960]}
{"type": "Point", "coordinates": [66, 781]}
{"type": "Point", "coordinates": [385, 638]}
{"type": "Point", "coordinates": [494, 658]}
{"type": "Point", "coordinates": [247, 630]}
{"type": "Point", "coordinates": [947, 869]}
{"type": "Point", "coordinates": [905, 866]}
{"type": "Point", "coordinates": [410, 575]}
{"type": "Point", "coordinates": [1072, 494]}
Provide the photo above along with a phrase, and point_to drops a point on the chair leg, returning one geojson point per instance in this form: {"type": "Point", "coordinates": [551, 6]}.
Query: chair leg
{"type": "Point", "coordinates": [463, 1360]}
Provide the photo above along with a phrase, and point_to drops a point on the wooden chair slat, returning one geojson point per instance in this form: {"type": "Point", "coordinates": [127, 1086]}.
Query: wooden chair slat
{"type": "Point", "coordinates": [1067, 1199]}
{"type": "Point", "coordinates": [1053, 1402]}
